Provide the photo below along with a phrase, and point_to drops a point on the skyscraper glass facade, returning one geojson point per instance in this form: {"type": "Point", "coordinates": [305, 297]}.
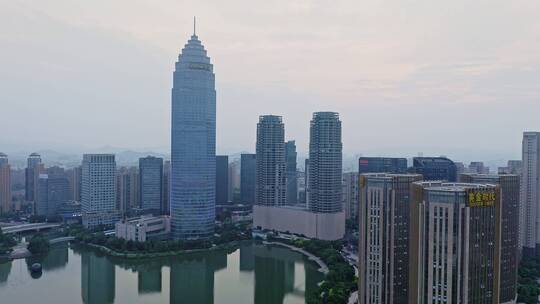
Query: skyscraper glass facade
{"type": "Point", "coordinates": [382, 165]}
{"type": "Point", "coordinates": [222, 179]}
{"type": "Point", "coordinates": [435, 168]}
{"type": "Point", "coordinates": [150, 182]}
{"type": "Point", "coordinates": [193, 144]}
{"type": "Point", "coordinates": [247, 178]}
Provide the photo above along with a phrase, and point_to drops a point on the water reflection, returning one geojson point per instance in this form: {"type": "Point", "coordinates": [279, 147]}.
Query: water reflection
{"type": "Point", "coordinates": [149, 278]}
{"type": "Point", "coordinates": [97, 279]}
{"type": "Point", "coordinates": [253, 274]}
{"type": "Point", "coordinates": [5, 269]}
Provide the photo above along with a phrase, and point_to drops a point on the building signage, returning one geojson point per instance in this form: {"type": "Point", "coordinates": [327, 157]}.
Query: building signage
{"type": "Point", "coordinates": [481, 198]}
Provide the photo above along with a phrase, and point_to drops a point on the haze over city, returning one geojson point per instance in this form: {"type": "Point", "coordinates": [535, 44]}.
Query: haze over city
{"type": "Point", "coordinates": [409, 77]}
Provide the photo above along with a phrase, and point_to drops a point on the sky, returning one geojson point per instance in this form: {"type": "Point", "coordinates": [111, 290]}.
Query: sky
{"type": "Point", "coordinates": [457, 78]}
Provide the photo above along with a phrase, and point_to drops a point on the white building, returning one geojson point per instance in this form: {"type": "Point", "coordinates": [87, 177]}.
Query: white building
{"type": "Point", "coordinates": [98, 190]}
{"type": "Point", "coordinates": [143, 228]}
{"type": "Point", "coordinates": [298, 220]}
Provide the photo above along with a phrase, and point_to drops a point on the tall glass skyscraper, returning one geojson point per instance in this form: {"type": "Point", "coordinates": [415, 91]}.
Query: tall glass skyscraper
{"type": "Point", "coordinates": [193, 144]}
{"type": "Point", "coordinates": [150, 183]}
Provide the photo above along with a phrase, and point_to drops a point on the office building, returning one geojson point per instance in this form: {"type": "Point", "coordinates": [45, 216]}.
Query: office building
{"type": "Point", "coordinates": [41, 204]}
{"type": "Point", "coordinates": [34, 168]}
{"type": "Point", "coordinates": [530, 194]}
{"type": "Point", "coordinates": [150, 184]}
{"type": "Point", "coordinates": [248, 177]}
{"type": "Point", "coordinates": [193, 144]}
{"type": "Point", "coordinates": [460, 168]}
{"type": "Point", "coordinates": [478, 167]}
{"type": "Point", "coordinates": [222, 179]}
{"type": "Point", "coordinates": [350, 194]}
{"type": "Point", "coordinates": [144, 228]}
{"type": "Point", "coordinates": [5, 184]}
{"type": "Point", "coordinates": [234, 181]}
{"type": "Point", "coordinates": [512, 167]}
{"type": "Point", "coordinates": [74, 176]}
{"type": "Point", "coordinates": [435, 168]}
{"type": "Point", "coordinates": [52, 191]}
{"type": "Point", "coordinates": [166, 186]}
{"type": "Point", "coordinates": [454, 254]}
{"type": "Point", "coordinates": [383, 249]}
{"type": "Point", "coordinates": [382, 165]}
{"type": "Point", "coordinates": [98, 192]}
{"type": "Point", "coordinates": [128, 191]}
{"type": "Point", "coordinates": [290, 167]}
{"type": "Point", "coordinates": [270, 162]}
{"type": "Point", "coordinates": [509, 184]}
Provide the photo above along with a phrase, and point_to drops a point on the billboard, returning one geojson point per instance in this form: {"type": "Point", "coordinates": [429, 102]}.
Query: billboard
{"type": "Point", "coordinates": [481, 198]}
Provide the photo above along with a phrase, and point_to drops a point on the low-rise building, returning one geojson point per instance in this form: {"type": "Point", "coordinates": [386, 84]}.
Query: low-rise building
{"type": "Point", "coordinates": [144, 228]}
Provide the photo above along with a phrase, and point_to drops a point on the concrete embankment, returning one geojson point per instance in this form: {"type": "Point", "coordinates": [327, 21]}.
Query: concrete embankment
{"type": "Point", "coordinates": [322, 266]}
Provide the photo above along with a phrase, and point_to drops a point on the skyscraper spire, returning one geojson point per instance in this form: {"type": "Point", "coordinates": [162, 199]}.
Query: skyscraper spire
{"type": "Point", "coordinates": [194, 26]}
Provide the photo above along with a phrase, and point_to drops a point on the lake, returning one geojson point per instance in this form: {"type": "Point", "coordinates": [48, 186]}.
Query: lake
{"type": "Point", "coordinates": [74, 274]}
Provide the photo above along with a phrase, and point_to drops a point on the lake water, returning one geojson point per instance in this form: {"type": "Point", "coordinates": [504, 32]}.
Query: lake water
{"type": "Point", "coordinates": [252, 274]}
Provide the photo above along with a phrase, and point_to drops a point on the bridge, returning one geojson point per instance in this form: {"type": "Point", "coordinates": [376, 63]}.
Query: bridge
{"type": "Point", "coordinates": [29, 227]}
{"type": "Point", "coordinates": [61, 239]}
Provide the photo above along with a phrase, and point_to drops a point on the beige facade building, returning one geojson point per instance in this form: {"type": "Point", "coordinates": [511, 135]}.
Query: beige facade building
{"type": "Point", "coordinates": [455, 243]}
{"type": "Point", "coordinates": [383, 269]}
{"type": "Point", "coordinates": [323, 226]}
{"type": "Point", "coordinates": [143, 228]}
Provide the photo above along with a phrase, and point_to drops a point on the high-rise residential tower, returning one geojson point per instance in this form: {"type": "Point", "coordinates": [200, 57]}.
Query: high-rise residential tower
{"type": "Point", "coordinates": [98, 191]}
{"type": "Point", "coordinates": [193, 144]}
{"type": "Point", "coordinates": [383, 251]}
{"type": "Point", "coordinates": [290, 164]}
{"type": "Point", "coordinates": [509, 184]}
{"type": "Point", "coordinates": [271, 175]}
{"type": "Point", "coordinates": [325, 163]}
{"type": "Point", "coordinates": [435, 168]}
{"type": "Point", "coordinates": [247, 178]}
{"type": "Point", "coordinates": [150, 184]}
{"type": "Point", "coordinates": [530, 194]}
{"type": "Point", "coordinates": [455, 244]}
{"type": "Point", "coordinates": [34, 167]}
{"type": "Point", "coordinates": [5, 184]}
{"type": "Point", "coordinates": [323, 217]}
{"type": "Point", "coordinates": [222, 179]}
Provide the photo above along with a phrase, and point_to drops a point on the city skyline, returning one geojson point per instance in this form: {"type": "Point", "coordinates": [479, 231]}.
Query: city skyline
{"type": "Point", "coordinates": [386, 78]}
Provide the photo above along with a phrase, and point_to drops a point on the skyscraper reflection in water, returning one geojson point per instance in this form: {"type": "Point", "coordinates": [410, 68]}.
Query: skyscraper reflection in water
{"type": "Point", "coordinates": [149, 278]}
{"type": "Point", "coordinates": [192, 280]}
{"type": "Point", "coordinates": [97, 279]}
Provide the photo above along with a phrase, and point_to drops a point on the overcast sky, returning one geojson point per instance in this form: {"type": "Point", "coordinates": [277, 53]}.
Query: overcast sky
{"type": "Point", "coordinates": [459, 78]}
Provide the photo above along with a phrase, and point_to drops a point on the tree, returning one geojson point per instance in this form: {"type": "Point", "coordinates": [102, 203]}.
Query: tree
{"type": "Point", "coordinates": [6, 242]}
{"type": "Point", "coordinates": [38, 244]}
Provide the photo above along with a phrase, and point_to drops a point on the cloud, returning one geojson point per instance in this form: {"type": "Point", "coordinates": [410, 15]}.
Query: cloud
{"type": "Point", "coordinates": [98, 73]}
